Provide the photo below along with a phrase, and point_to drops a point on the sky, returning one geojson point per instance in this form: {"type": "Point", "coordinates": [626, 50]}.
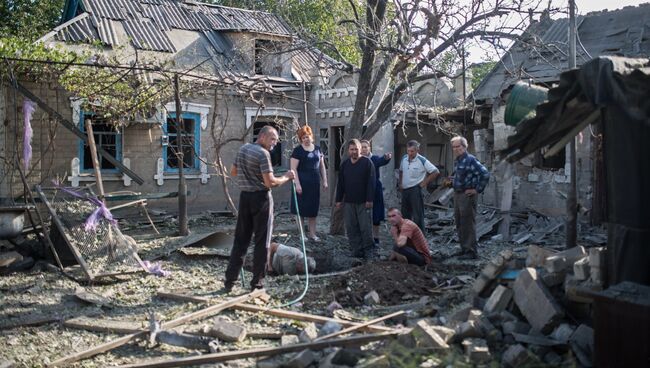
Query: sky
{"type": "Point", "coordinates": [476, 54]}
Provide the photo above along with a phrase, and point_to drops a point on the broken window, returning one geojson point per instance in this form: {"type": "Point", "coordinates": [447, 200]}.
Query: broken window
{"type": "Point", "coordinates": [267, 58]}
{"type": "Point", "coordinates": [107, 137]}
{"type": "Point", "coordinates": [188, 144]}
{"type": "Point", "coordinates": [276, 152]}
{"type": "Point", "coordinates": [556, 161]}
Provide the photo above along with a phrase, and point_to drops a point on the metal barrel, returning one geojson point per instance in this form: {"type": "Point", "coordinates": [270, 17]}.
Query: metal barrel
{"type": "Point", "coordinates": [522, 101]}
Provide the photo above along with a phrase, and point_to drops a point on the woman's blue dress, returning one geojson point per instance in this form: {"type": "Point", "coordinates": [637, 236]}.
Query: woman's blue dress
{"type": "Point", "coordinates": [378, 210]}
{"type": "Point", "coordinates": [309, 176]}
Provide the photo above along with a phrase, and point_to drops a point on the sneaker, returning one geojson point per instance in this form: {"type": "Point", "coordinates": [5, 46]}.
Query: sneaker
{"type": "Point", "coordinates": [226, 289]}
{"type": "Point", "coordinates": [315, 239]}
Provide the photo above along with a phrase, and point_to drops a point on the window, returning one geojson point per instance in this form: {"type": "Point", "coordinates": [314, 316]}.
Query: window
{"type": "Point", "coordinates": [556, 161]}
{"type": "Point", "coordinates": [190, 126]}
{"type": "Point", "coordinates": [276, 153]}
{"type": "Point", "coordinates": [267, 58]}
{"type": "Point", "coordinates": [106, 136]}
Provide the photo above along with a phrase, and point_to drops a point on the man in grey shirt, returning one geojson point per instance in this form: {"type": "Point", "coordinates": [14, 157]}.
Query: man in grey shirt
{"type": "Point", "coordinates": [254, 173]}
{"type": "Point", "coordinates": [287, 260]}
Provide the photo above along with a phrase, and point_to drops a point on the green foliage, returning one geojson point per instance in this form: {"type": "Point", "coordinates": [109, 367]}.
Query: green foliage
{"type": "Point", "coordinates": [317, 19]}
{"type": "Point", "coordinates": [29, 19]}
{"type": "Point", "coordinates": [479, 72]}
{"type": "Point", "coordinates": [20, 48]}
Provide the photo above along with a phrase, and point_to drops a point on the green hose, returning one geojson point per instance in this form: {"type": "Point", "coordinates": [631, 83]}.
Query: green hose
{"type": "Point", "coordinates": [304, 251]}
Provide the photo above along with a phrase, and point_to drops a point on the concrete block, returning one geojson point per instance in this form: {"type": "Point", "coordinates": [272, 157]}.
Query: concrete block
{"type": "Point", "coordinates": [516, 356]}
{"type": "Point", "coordinates": [551, 279]}
{"type": "Point", "coordinates": [372, 298]}
{"type": "Point", "coordinates": [329, 327]}
{"type": "Point", "coordinates": [537, 256]}
{"type": "Point", "coordinates": [562, 333]}
{"type": "Point", "coordinates": [597, 275]}
{"type": "Point", "coordinates": [468, 329]}
{"type": "Point", "coordinates": [476, 350]}
{"type": "Point", "coordinates": [289, 340]}
{"type": "Point", "coordinates": [426, 336]}
{"type": "Point", "coordinates": [598, 257]}
{"type": "Point", "coordinates": [573, 254]}
{"type": "Point", "coordinates": [535, 301]}
{"type": "Point", "coordinates": [301, 360]}
{"type": "Point", "coordinates": [556, 263]}
{"type": "Point", "coordinates": [226, 331]}
{"type": "Point", "coordinates": [446, 333]}
{"type": "Point", "coordinates": [581, 269]}
{"type": "Point", "coordinates": [309, 333]}
{"type": "Point", "coordinates": [499, 300]}
{"type": "Point", "coordinates": [511, 327]}
{"type": "Point", "coordinates": [572, 286]}
{"type": "Point", "coordinates": [583, 337]}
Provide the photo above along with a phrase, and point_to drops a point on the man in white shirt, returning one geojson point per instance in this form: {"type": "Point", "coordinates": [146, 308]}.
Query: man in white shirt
{"type": "Point", "coordinates": [415, 173]}
{"type": "Point", "coordinates": [285, 260]}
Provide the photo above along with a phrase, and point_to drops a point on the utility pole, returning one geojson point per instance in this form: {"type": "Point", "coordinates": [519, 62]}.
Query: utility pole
{"type": "Point", "coordinates": [572, 199]}
{"type": "Point", "coordinates": [182, 187]}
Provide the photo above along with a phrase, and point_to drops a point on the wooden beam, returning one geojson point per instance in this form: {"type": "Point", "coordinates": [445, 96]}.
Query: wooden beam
{"type": "Point", "coordinates": [276, 312]}
{"type": "Point", "coordinates": [262, 352]}
{"type": "Point", "coordinates": [355, 328]}
{"type": "Point", "coordinates": [165, 326]}
{"type": "Point", "coordinates": [105, 325]}
{"type": "Point", "coordinates": [76, 131]}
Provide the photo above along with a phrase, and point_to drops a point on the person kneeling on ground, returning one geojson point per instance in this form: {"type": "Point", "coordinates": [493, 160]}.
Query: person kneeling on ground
{"type": "Point", "coordinates": [410, 243]}
{"type": "Point", "coordinates": [285, 260]}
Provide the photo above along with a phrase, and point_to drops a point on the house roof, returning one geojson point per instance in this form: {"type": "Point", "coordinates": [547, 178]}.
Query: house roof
{"type": "Point", "coordinates": [542, 54]}
{"type": "Point", "coordinates": [600, 83]}
{"type": "Point", "coordinates": [156, 26]}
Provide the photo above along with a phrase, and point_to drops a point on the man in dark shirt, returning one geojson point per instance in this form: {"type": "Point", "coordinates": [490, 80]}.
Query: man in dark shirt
{"type": "Point", "coordinates": [254, 173]}
{"type": "Point", "coordinates": [355, 191]}
{"type": "Point", "coordinates": [470, 179]}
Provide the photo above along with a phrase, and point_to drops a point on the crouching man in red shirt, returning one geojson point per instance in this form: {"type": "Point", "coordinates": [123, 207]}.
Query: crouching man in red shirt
{"type": "Point", "coordinates": [410, 244]}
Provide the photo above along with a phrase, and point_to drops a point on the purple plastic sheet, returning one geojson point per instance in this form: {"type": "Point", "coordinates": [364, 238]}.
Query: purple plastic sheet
{"type": "Point", "coordinates": [28, 110]}
{"type": "Point", "coordinates": [156, 269]}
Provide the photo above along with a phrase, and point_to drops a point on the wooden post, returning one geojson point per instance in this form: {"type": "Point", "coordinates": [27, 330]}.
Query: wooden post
{"type": "Point", "coordinates": [182, 186]}
{"type": "Point", "coordinates": [93, 154]}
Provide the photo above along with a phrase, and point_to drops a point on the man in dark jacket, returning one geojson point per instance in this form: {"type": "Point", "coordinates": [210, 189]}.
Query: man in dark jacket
{"type": "Point", "coordinates": [355, 191]}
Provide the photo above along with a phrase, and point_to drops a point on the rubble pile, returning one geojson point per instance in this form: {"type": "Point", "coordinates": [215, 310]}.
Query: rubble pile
{"type": "Point", "coordinates": [523, 312]}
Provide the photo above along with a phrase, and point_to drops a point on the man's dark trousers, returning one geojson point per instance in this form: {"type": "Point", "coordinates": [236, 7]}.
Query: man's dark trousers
{"type": "Point", "coordinates": [413, 205]}
{"type": "Point", "coordinates": [465, 217]}
{"type": "Point", "coordinates": [255, 217]}
{"type": "Point", "coordinates": [358, 226]}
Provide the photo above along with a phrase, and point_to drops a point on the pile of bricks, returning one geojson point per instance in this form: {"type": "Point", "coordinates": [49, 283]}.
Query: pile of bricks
{"type": "Point", "coordinates": [525, 312]}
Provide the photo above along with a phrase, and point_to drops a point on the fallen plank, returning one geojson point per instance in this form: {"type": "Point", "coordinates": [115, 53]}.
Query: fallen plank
{"type": "Point", "coordinates": [166, 325]}
{"type": "Point", "coordinates": [28, 321]}
{"type": "Point", "coordinates": [261, 352]}
{"type": "Point", "coordinates": [104, 325]}
{"type": "Point", "coordinates": [355, 328]}
{"type": "Point", "coordinates": [275, 312]}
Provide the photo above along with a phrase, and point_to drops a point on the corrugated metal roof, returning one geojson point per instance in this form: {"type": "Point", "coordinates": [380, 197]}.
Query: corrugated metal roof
{"type": "Point", "coordinates": [146, 36]}
{"type": "Point", "coordinates": [81, 30]}
{"type": "Point", "coordinates": [617, 32]}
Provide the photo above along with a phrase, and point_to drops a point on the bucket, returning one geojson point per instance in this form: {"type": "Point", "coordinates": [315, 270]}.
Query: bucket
{"type": "Point", "coordinates": [522, 102]}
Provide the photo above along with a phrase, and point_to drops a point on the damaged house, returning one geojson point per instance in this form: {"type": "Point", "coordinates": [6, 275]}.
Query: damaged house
{"type": "Point", "coordinates": [246, 69]}
{"type": "Point", "coordinates": [538, 59]}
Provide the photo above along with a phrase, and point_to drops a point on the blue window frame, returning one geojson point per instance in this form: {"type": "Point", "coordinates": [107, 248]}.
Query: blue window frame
{"type": "Point", "coordinates": [106, 136]}
{"type": "Point", "coordinates": [191, 127]}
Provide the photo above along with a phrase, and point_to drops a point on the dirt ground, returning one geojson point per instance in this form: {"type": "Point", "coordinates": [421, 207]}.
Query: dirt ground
{"type": "Point", "coordinates": [34, 303]}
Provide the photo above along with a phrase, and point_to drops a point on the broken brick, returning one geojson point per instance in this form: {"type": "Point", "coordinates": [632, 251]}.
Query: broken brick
{"type": "Point", "coordinates": [309, 333]}
{"type": "Point", "coordinates": [301, 360]}
{"type": "Point", "coordinates": [476, 350]}
{"type": "Point", "coordinates": [581, 269]}
{"type": "Point", "coordinates": [535, 301]}
{"type": "Point", "coordinates": [499, 300]}
{"type": "Point", "coordinates": [468, 329]}
{"type": "Point", "coordinates": [562, 333]}
{"type": "Point", "coordinates": [556, 263]}
{"type": "Point", "coordinates": [511, 327]}
{"type": "Point", "coordinates": [226, 331]}
{"type": "Point", "coordinates": [426, 336]}
{"type": "Point", "coordinates": [517, 356]}
{"type": "Point", "coordinates": [372, 298]}
{"type": "Point", "coordinates": [289, 340]}
{"type": "Point", "coordinates": [537, 256]}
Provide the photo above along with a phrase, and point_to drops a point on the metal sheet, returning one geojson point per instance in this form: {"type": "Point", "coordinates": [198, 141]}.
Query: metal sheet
{"type": "Point", "coordinates": [145, 35]}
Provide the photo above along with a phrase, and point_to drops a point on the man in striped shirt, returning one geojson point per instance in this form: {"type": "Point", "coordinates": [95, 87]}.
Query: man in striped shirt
{"type": "Point", "coordinates": [254, 172]}
{"type": "Point", "coordinates": [410, 244]}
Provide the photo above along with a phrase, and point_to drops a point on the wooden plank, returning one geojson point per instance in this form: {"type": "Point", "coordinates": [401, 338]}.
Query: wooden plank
{"type": "Point", "coordinates": [28, 321]}
{"type": "Point", "coordinates": [105, 325]}
{"type": "Point", "coordinates": [76, 131]}
{"type": "Point", "coordinates": [355, 328]}
{"type": "Point", "coordinates": [165, 326]}
{"type": "Point", "coordinates": [275, 312]}
{"type": "Point", "coordinates": [263, 352]}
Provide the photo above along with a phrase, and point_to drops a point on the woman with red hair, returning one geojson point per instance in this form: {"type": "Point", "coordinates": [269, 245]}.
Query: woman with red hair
{"type": "Point", "coordinates": [307, 161]}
